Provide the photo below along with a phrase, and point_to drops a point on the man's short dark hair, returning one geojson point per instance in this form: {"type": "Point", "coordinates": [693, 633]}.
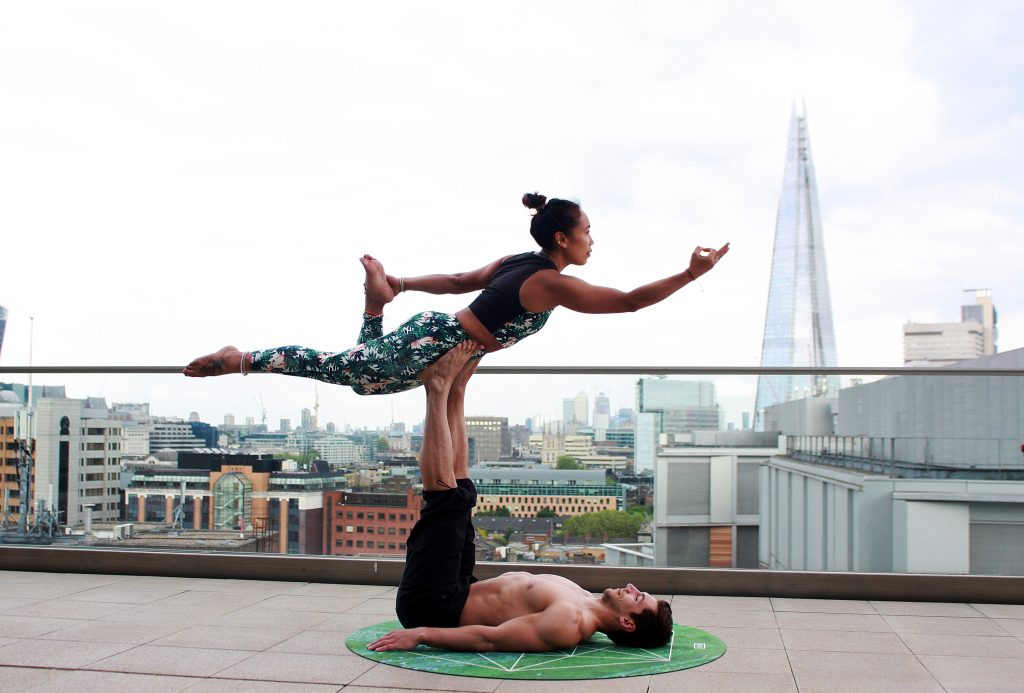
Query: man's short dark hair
{"type": "Point", "coordinates": [653, 628]}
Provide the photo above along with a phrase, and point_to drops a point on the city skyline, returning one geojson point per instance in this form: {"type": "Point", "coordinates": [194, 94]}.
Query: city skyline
{"type": "Point", "coordinates": [160, 203]}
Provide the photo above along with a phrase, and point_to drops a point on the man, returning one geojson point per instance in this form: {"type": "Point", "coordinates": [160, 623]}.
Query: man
{"type": "Point", "coordinates": [440, 602]}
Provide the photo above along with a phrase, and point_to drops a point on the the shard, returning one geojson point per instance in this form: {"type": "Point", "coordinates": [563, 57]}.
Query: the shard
{"type": "Point", "coordinates": [798, 328]}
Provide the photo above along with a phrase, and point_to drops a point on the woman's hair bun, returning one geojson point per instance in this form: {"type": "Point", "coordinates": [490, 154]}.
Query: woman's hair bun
{"type": "Point", "coordinates": [534, 201]}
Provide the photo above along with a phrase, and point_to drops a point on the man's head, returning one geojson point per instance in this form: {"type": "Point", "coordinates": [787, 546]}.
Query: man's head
{"type": "Point", "coordinates": [642, 620]}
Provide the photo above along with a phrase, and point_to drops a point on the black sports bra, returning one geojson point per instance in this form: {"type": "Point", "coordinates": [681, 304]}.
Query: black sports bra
{"type": "Point", "coordinates": [499, 302]}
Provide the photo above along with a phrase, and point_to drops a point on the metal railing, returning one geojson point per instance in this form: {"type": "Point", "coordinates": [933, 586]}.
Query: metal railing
{"type": "Point", "coordinates": [811, 584]}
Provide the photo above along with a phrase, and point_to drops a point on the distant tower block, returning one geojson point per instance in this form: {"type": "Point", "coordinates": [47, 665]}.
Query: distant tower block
{"type": "Point", "coordinates": [798, 328]}
{"type": "Point", "coordinates": [3, 326]}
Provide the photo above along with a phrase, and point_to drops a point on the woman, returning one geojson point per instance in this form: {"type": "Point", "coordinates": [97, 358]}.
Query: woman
{"type": "Point", "coordinates": [518, 294]}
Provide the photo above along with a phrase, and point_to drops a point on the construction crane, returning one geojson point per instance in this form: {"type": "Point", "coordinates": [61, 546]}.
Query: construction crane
{"type": "Point", "coordinates": [262, 408]}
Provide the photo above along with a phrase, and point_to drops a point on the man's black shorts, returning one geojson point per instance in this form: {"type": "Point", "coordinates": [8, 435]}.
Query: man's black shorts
{"type": "Point", "coordinates": [439, 559]}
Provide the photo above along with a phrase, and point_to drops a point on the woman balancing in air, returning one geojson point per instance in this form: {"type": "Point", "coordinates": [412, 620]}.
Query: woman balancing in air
{"type": "Point", "coordinates": [518, 294]}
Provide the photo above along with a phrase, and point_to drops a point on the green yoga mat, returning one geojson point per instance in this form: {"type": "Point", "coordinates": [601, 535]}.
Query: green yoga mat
{"type": "Point", "coordinates": [597, 658]}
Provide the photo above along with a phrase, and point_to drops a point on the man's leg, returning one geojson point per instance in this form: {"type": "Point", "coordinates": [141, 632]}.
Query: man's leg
{"type": "Point", "coordinates": [457, 419]}
{"type": "Point", "coordinates": [433, 590]}
{"type": "Point", "coordinates": [437, 457]}
{"type": "Point", "coordinates": [460, 446]}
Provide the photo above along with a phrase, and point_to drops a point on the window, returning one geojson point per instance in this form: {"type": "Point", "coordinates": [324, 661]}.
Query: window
{"type": "Point", "coordinates": [369, 530]}
{"type": "Point", "coordinates": [348, 515]}
{"type": "Point", "coordinates": [391, 517]}
{"type": "Point", "coordinates": [359, 516]}
{"type": "Point", "coordinates": [401, 531]}
{"type": "Point", "coordinates": [359, 544]}
{"type": "Point", "coordinates": [391, 530]}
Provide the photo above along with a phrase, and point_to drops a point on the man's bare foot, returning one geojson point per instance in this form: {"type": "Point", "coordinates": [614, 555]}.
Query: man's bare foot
{"type": "Point", "coordinates": [463, 376]}
{"type": "Point", "coordinates": [443, 371]}
{"type": "Point", "coordinates": [378, 291]}
{"type": "Point", "coordinates": [221, 362]}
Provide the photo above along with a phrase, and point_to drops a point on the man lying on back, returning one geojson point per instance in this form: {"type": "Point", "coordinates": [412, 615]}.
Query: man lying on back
{"type": "Point", "coordinates": [439, 601]}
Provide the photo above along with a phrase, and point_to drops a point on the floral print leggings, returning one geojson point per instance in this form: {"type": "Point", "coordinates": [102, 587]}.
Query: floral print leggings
{"type": "Point", "coordinates": [380, 363]}
{"type": "Point", "coordinates": [384, 363]}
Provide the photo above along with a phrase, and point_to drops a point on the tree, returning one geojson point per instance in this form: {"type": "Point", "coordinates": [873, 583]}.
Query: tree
{"type": "Point", "coordinates": [604, 524]}
{"type": "Point", "coordinates": [567, 462]}
{"type": "Point", "coordinates": [546, 512]}
{"type": "Point", "coordinates": [382, 444]}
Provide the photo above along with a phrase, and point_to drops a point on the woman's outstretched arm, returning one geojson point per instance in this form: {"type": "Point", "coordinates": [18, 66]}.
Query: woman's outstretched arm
{"type": "Point", "coordinates": [458, 283]}
{"type": "Point", "coordinates": [549, 289]}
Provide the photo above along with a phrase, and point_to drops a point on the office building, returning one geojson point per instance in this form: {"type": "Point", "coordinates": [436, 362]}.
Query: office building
{"type": "Point", "coordinates": [489, 436]}
{"type": "Point", "coordinates": [798, 329]}
{"type": "Point", "coordinates": [10, 406]}
{"type": "Point", "coordinates": [235, 491]}
{"type": "Point", "coordinates": [944, 343]}
{"type": "Point", "coordinates": [906, 483]}
{"type": "Point", "coordinates": [667, 406]}
{"type": "Point", "coordinates": [338, 451]}
{"type": "Point", "coordinates": [706, 496]}
{"type": "Point", "coordinates": [527, 491]}
{"type": "Point", "coordinates": [78, 458]}
{"type": "Point", "coordinates": [378, 524]}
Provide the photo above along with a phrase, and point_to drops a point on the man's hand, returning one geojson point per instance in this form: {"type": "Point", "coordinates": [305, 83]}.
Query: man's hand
{"type": "Point", "coordinates": [397, 640]}
{"type": "Point", "coordinates": [701, 263]}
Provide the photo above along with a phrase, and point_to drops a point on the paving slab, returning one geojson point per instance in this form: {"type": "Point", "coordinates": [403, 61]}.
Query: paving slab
{"type": "Point", "coordinates": [216, 637]}
{"type": "Point", "coordinates": [29, 627]}
{"type": "Point", "coordinates": [710, 618]}
{"type": "Point", "coordinates": [795, 620]}
{"type": "Point", "coordinates": [290, 602]}
{"type": "Point", "coordinates": [83, 681]}
{"type": "Point", "coordinates": [383, 676]}
{"type": "Point", "coordinates": [838, 672]}
{"type": "Point", "coordinates": [104, 631]}
{"type": "Point", "coordinates": [171, 661]}
{"type": "Point", "coordinates": [57, 654]}
{"type": "Point", "coordinates": [300, 668]}
{"type": "Point", "coordinates": [963, 645]}
{"type": "Point", "coordinates": [976, 674]}
{"type": "Point", "coordinates": [823, 606]}
{"type": "Point", "coordinates": [926, 609]}
{"type": "Point", "coordinates": [684, 601]}
{"type": "Point", "coordinates": [944, 625]}
{"type": "Point", "coordinates": [1001, 610]}
{"type": "Point", "coordinates": [843, 641]}
{"type": "Point", "coordinates": [700, 679]}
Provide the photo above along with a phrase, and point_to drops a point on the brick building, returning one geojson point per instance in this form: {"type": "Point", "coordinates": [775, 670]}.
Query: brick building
{"type": "Point", "coordinates": [359, 523]}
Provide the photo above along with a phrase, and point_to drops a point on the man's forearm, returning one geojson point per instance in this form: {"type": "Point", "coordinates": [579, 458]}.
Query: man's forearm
{"type": "Point", "coordinates": [467, 638]}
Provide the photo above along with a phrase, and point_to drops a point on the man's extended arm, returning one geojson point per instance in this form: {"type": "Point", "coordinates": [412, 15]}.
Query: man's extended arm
{"type": "Point", "coordinates": [552, 629]}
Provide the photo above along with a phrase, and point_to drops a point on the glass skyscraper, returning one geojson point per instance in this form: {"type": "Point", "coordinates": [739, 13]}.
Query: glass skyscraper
{"type": "Point", "coordinates": [3, 326]}
{"type": "Point", "coordinates": [798, 328]}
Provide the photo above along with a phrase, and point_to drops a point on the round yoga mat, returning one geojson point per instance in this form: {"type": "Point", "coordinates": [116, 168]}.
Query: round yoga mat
{"type": "Point", "coordinates": [597, 658]}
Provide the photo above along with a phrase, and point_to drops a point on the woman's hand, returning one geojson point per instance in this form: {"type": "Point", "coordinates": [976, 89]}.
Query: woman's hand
{"type": "Point", "coordinates": [701, 263]}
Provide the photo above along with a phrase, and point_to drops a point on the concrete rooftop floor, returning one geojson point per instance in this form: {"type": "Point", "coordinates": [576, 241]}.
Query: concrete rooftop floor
{"type": "Point", "coordinates": [79, 632]}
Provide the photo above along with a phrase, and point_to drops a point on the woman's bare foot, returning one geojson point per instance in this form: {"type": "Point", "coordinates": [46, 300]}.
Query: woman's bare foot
{"type": "Point", "coordinates": [378, 291]}
{"type": "Point", "coordinates": [221, 362]}
{"type": "Point", "coordinates": [443, 371]}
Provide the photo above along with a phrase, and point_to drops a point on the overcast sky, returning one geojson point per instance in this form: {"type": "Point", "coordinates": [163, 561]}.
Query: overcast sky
{"type": "Point", "coordinates": [178, 176]}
